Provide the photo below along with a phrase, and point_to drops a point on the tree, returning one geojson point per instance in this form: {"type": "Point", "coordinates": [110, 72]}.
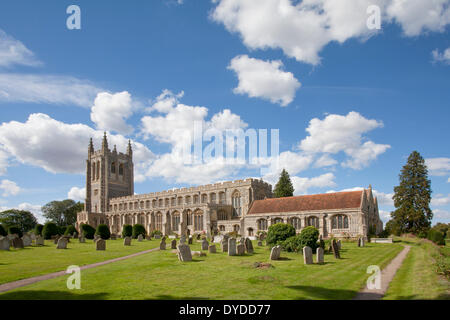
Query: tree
{"type": "Point", "coordinates": [38, 229]}
{"type": "Point", "coordinates": [24, 220]}
{"type": "Point", "coordinates": [63, 213]}
{"type": "Point", "coordinates": [412, 198]}
{"type": "Point", "coordinates": [284, 187]}
{"type": "Point", "coordinates": [50, 229]}
{"type": "Point", "coordinates": [3, 232]}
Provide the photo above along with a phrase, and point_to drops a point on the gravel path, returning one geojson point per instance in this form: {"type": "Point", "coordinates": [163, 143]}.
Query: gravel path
{"type": "Point", "coordinates": [387, 274]}
{"type": "Point", "coordinates": [24, 282]}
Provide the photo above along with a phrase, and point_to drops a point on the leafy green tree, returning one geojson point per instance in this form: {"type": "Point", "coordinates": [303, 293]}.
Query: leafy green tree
{"type": "Point", "coordinates": [15, 230]}
{"type": "Point", "coordinates": [24, 220]}
{"type": "Point", "coordinates": [284, 187]}
{"type": "Point", "coordinates": [412, 197]}
{"type": "Point", "coordinates": [50, 229]}
{"type": "Point", "coordinates": [3, 232]}
{"type": "Point", "coordinates": [62, 213]}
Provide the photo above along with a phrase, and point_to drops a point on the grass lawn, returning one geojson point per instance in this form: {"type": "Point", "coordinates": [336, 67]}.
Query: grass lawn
{"type": "Point", "coordinates": [33, 261]}
{"type": "Point", "coordinates": [417, 277]}
{"type": "Point", "coordinates": [159, 275]}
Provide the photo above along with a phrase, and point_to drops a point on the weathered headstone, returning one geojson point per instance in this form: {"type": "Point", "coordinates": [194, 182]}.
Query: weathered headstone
{"type": "Point", "coordinates": [17, 243]}
{"type": "Point", "coordinates": [183, 239]}
{"type": "Point", "coordinates": [224, 244]}
{"type": "Point", "coordinates": [33, 236]}
{"type": "Point", "coordinates": [157, 236]}
{"type": "Point", "coordinates": [184, 252]}
{"type": "Point", "coordinates": [205, 244]}
{"type": "Point", "coordinates": [62, 243]}
{"type": "Point", "coordinates": [212, 248]}
{"type": "Point", "coordinates": [113, 237]}
{"type": "Point", "coordinates": [82, 239]}
{"type": "Point", "coordinates": [140, 238]}
{"type": "Point", "coordinates": [242, 241]}
{"type": "Point", "coordinates": [39, 241]}
{"type": "Point", "coordinates": [55, 240]}
{"type": "Point", "coordinates": [162, 244]}
{"type": "Point", "coordinates": [26, 240]}
{"type": "Point", "coordinates": [339, 244]}
{"type": "Point", "coordinates": [248, 245]}
{"type": "Point", "coordinates": [319, 255]}
{"type": "Point", "coordinates": [12, 236]}
{"type": "Point", "coordinates": [127, 241]}
{"type": "Point", "coordinates": [307, 255]}
{"type": "Point", "coordinates": [4, 243]}
{"type": "Point", "coordinates": [335, 248]}
{"type": "Point", "coordinates": [173, 244]}
{"type": "Point", "coordinates": [260, 243]}
{"type": "Point", "coordinates": [275, 253]}
{"type": "Point", "coordinates": [190, 240]}
{"type": "Point", "coordinates": [232, 247]}
{"type": "Point", "coordinates": [100, 244]}
{"type": "Point", "coordinates": [240, 249]}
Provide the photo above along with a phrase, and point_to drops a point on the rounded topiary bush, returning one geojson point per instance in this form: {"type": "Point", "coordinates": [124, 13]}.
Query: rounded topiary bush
{"type": "Point", "coordinates": [50, 229]}
{"type": "Point", "coordinates": [88, 231]}
{"type": "Point", "coordinates": [103, 231]}
{"type": "Point", "coordinates": [292, 244]}
{"type": "Point", "coordinates": [309, 237]}
{"type": "Point", "coordinates": [15, 230]}
{"type": "Point", "coordinates": [70, 230]}
{"type": "Point", "coordinates": [278, 233]}
{"type": "Point", "coordinates": [38, 229]}
{"type": "Point", "coordinates": [3, 232]}
{"type": "Point", "coordinates": [127, 230]}
{"type": "Point", "coordinates": [137, 230]}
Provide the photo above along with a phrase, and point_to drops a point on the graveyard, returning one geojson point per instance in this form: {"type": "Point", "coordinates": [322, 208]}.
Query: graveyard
{"type": "Point", "coordinates": [161, 275]}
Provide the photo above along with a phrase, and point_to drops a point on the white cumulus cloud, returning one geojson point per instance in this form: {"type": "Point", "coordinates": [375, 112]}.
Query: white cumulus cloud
{"type": "Point", "coordinates": [77, 194]}
{"type": "Point", "coordinates": [110, 111]}
{"type": "Point", "coordinates": [10, 188]}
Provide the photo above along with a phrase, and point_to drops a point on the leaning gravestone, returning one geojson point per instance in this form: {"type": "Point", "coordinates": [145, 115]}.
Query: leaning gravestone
{"type": "Point", "coordinates": [173, 244]}
{"type": "Point", "coordinates": [307, 255]}
{"type": "Point", "coordinates": [184, 252]}
{"type": "Point", "coordinates": [62, 243]}
{"type": "Point", "coordinates": [140, 238]}
{"type": "Point", "coordinates": [319, 255]}
{"type": "Point", "coordinates": [275, 253]}
{"type": "Point", "coordinates": [232, 247]}
{"type": "Point", "coordinates": [224, 244]}
{"type": "Point", "coordinates": [39, 241]}
{"type": "Point", "coordinates": [4, 243]}
{"type": "Point", "coordinates": [212, 248]}
{"type": "Point", "coordinates": [335, 248]}
{"type": "Point", "coordinates": [26, 240]}
{"type": "Point", "coordinates": [127, 241]}
{"type": "Point", "coordinates": [162, 244]}
{"type": "Point", "coordinates": [100, 244]}
{"type": "Point", "coordinates": [240, 249]}
{"type": "Point", "coordinates": [248, 245]}
{"type": "Point", "coordinates": [205, 244]}
{"type": "Point", "coordinates": [55, 240]}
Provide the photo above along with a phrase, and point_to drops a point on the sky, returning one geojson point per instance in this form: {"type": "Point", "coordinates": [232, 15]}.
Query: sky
{"type": "Point", "coordinates": [350, 101]}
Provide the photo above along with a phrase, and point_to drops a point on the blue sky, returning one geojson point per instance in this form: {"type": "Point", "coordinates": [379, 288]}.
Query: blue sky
{"type": "Point", "coordinates": [139, 70]}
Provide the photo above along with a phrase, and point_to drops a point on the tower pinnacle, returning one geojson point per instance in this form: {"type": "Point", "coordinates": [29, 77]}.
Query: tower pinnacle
{"type": "Point", "coordinates": [129, 149]}
{"type": "Point", "coordinates": [105, 142]}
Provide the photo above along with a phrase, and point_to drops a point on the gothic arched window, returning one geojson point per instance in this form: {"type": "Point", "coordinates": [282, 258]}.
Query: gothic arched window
{"type": "Point", "coordinates": [339, 222]}
{"type": "Point", "coordinates": [262, 224]}
{"type": "Point", "coordinates": [121, 169]}
{"type": "Point", "coordinates": [221, 215]}
{"type": "Point", "coordinates": [296, 223]}
{"type": "Point", "coordinates": [313, 221]}
{"type": "Point", "coordinates": [198, 220]}
{"type": "Point", "coordinates": [236, 203]}
{"type": "Point", "coordinates": [113, 168]}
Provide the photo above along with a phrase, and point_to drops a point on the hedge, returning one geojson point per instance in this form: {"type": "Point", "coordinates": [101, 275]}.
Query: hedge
{"type": "Point", "coordinates": [278, 233]}
{"type": "Point", "coordinates": [103, 231]}
{"type": "Point", "coordinates": [436, 236]}
{"type": "Point", "coordinates": [70, 230]}
{"type": "Point", "coordinates": [127, 230]}
{"type": "Point", "coordinates": [137, 230]}
{"type": "Point", "coordinates": [88, 231]}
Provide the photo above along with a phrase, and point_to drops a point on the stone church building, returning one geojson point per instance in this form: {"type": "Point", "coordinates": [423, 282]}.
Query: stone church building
{"type": "Point", "coordinates": [245, 206]}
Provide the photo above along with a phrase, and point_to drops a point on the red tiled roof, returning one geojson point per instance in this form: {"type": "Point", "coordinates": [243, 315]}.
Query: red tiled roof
{"type": "Point", "coordinates": [326, 201]}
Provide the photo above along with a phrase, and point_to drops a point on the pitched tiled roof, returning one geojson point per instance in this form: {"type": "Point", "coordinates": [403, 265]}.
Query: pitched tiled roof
{"type": "Point", "coordinates": [326, 201]}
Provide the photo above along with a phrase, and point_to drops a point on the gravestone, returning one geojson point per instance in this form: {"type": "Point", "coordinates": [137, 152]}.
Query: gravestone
{"type": "Point", "coordinates": [205, 244]}
{"type": "Point", "coordinates": [127, 241]}
{"type": "Point", "coordinates": [4, 243]}
{"type": "Point", "coordinates": [17, 243]}
{"type": "Point", "coordinates": [173, 244]}
{"type": "Point", "coordinates": [113, 237]}
{"type": "Point", "coordinates": [260, 243]}
{"type": "Point", "coordinates": [212, 248]}
{"type": "Point", "coordinates": [307, 255]}
{"type": "Point", "coordinates": [339, 244]}
{"type": "Point", "coordinates": [39, 241]}
{"type": "Point", "coordinates": [242, 241]}
{"type": "Point", "coordinates": [157, 236]}
{"type": "Point", "coordinates": [319, 255]}
{"type": "Point", "coordinates": [275, 253]}
{"type": "Point", "coordinates": [248, 245]}
{"type": "Point", "coordinates": [55, 240]}
{"type": "Point", "coordinates": [96, 237]}
{"type": "Point", "coordinates": [12, 236]}
{"type": "Point", "coordinates": [224, 244]}
{"type": "Point", "coordinates": [140, 238]}
{"type": "Point", "coordinates": [183, 239]}
{"type": "Point", "coordinates": [26, 240]}
{"type": "Point", "coordinates": [62, 243]}
{"type": "Point", "coordinates": [335, 248]}
{"type": "Point", "coordinates": [100, 244]}
{"type": "Point", "coordinates": [33, 236]}
{"type": "Point", "coordinates": [82, 239]}
{"type": "Point", "coordinates": [184, 252]}
{"type": "Point", "coordinates": [190, 240]}
{"type": "Point", "coordinates": [162, 244]}
{"type": "Point", "coordinates": [240, 249]}
{"type": "Point", "coordinates": [232, 247]}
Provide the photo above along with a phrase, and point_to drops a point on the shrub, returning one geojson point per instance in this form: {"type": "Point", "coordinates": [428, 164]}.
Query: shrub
{"type": "Point", "coordinates": [309, 237]}
{"type": "Point", "coordinates": [3, 231]}
{"type": "Point", "coordinates": [62, 230]}
{"type": "Point", "coordinates": [138, 229]}
{"type": "Point", "coordinates": [278, 233]}
{"type": "Point", "coordinates": [233, 234]}
{"type": "Point", "coordinates": [70, 230]}
{"type": "Point", "coordinates": [15, 230]}
{"type": "Point", "coordinates": [88, 231]}
{"type": "Point", "coordinates": [292, 244]}
{"type": "Point", "coordinates": [155, 232]}
{"type": "Point", "coordinates": [38, 229]}
{"type": "Point", "coordinates": [436, 236]}
{"type": "Point", "coordinates": [103, 231]}
{"type": "Point", "coordinates": [50, 229]}
{"type": "Point", "coordinates": [422, 234]}
{"type": "Point", "coordinates": [127, 230]}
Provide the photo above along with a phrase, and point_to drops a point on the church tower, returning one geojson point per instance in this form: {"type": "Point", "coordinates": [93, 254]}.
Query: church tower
{"type": "Point", "coordinates": [109, 174]}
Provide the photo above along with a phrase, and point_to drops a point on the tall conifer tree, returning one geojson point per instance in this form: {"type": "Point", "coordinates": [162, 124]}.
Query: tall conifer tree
{"type": "Point", "coordinates": [412, 197]}
{"type": "Point", "coordinates": [284, 187]}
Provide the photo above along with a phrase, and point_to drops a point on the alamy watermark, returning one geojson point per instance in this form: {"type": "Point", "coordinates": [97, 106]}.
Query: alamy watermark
{"type": "Point", "coordinates": [374, 281]}
{"type": "Point", "coordinates": [74, 20]}
{"type": "Point", "coordinates": [74, 281]}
